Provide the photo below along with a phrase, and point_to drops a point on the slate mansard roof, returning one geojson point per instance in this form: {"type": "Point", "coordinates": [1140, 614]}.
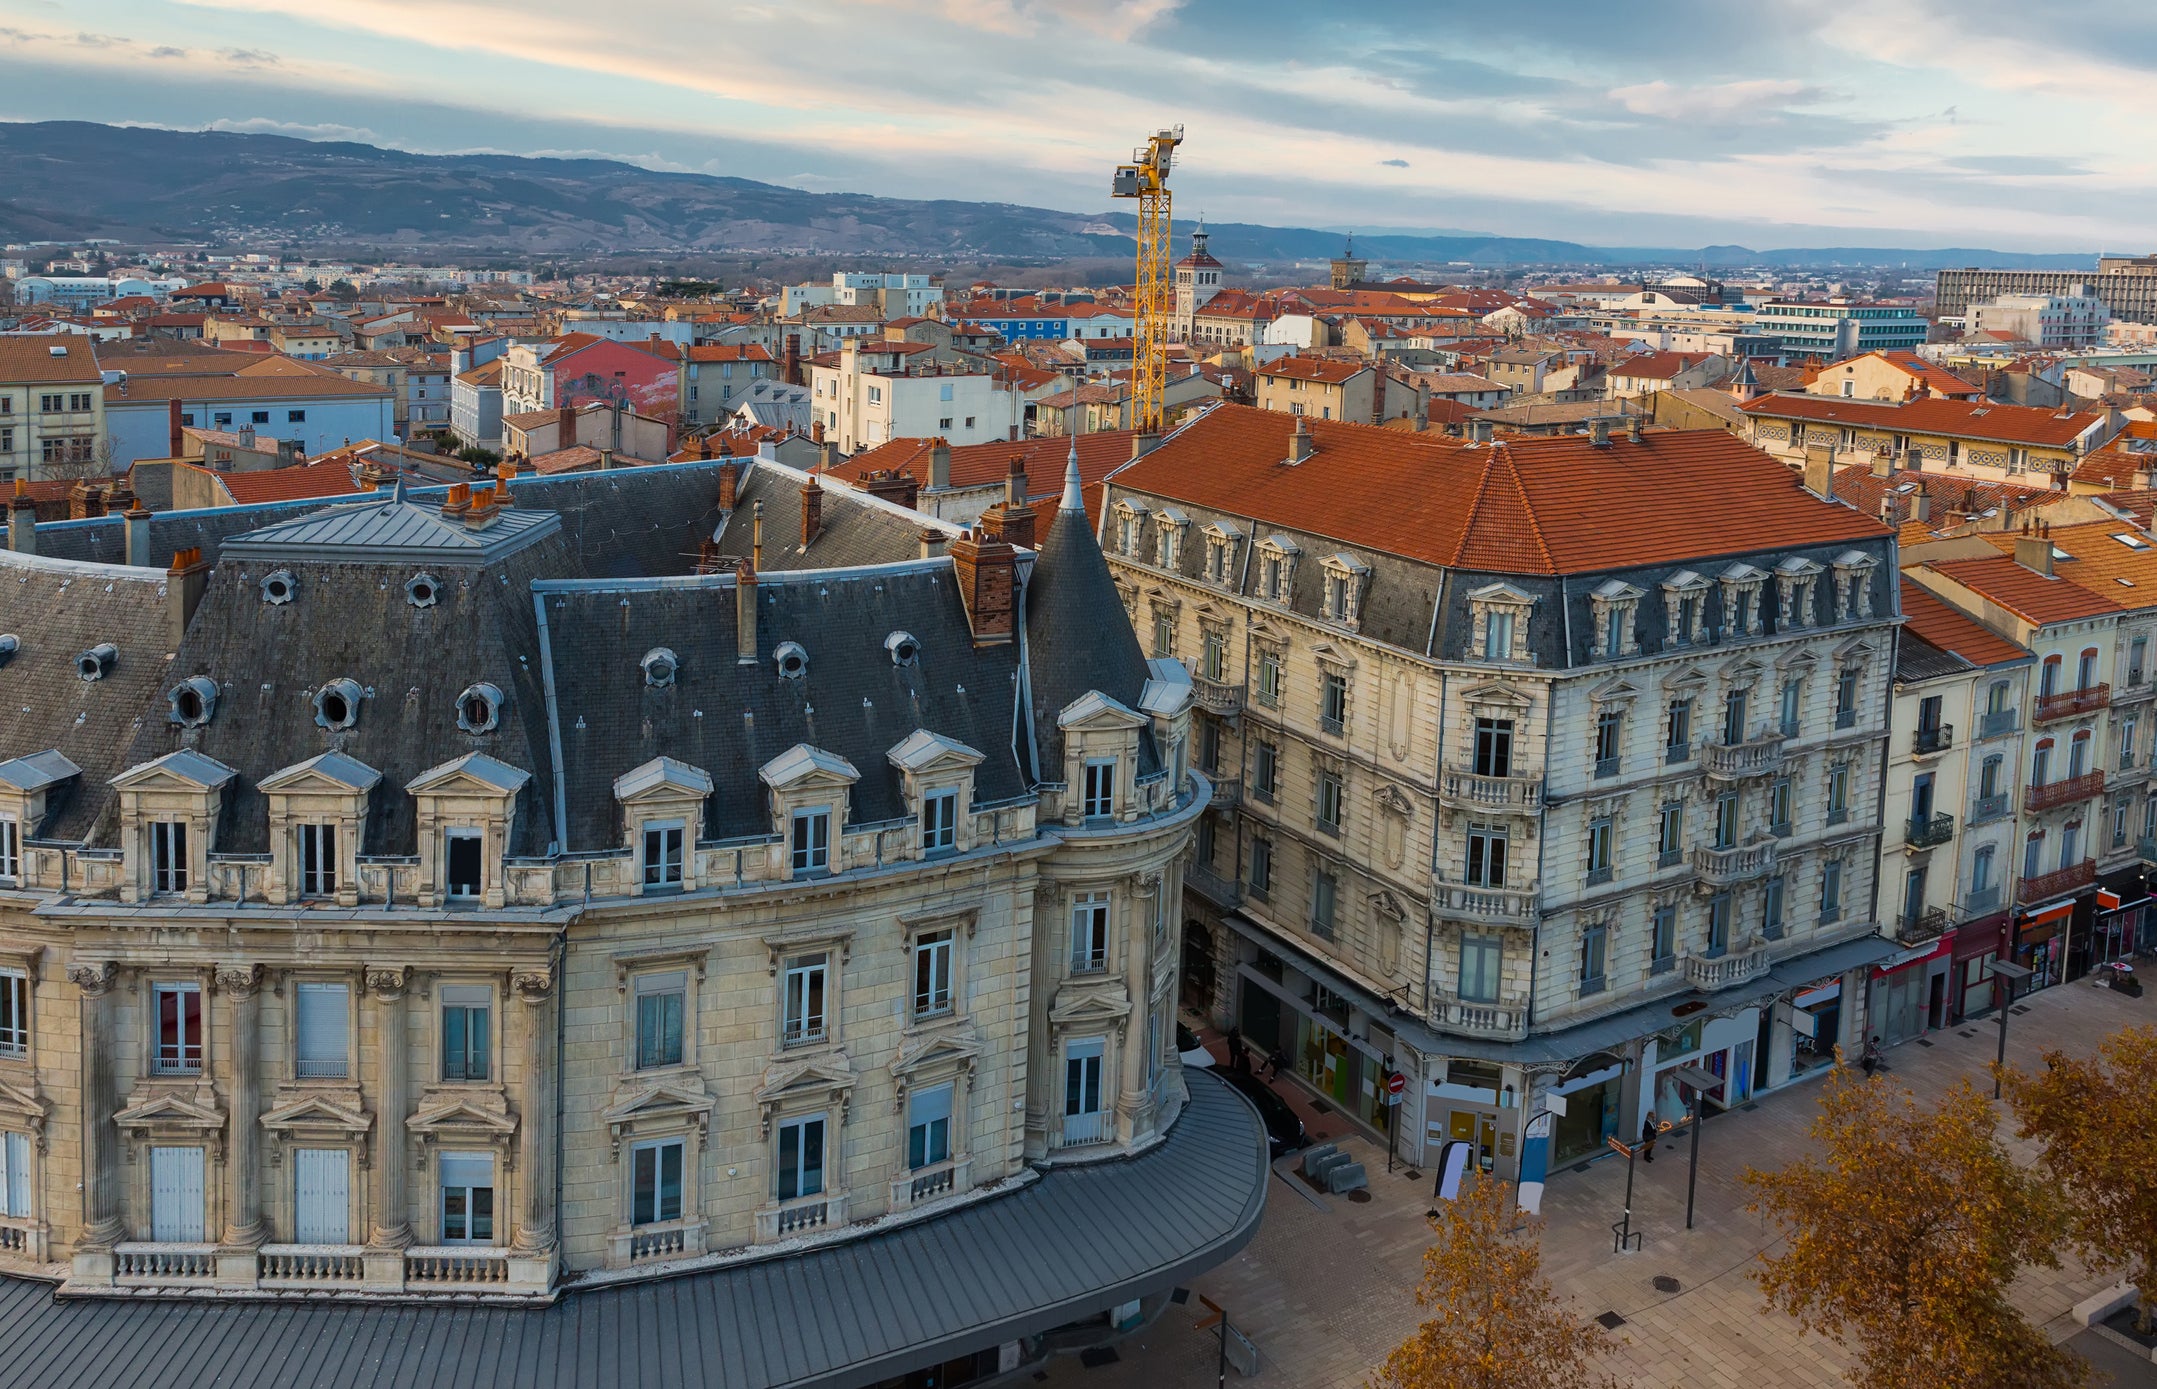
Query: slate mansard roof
{"type": "Point", "coordinates": [554, 610]}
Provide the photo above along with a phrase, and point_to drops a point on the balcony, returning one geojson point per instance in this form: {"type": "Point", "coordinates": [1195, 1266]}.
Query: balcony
{"type": "Point", "coordinates": [2058, 882]}
{"type": "Point", "coordinates": [1727, 867]}
{"type": "Point", "coordinates": [1999, 723]}
{"type": "Point", "coordinates": [1711, 972]}
{"type": "Point", "coordinates": [1224, 893]}
{"type": "Point", "coordinates": [804, 1215]}
{"type": "Point", "coordinates": [1217, 696]}
{"type": "Point", "coordinates": [1082, 1130]}
{"type": "Point", "coordinates": [146, 1265]}
{"type": "Point", "coordinates": [299, 1267]}
{"type": "Point", "coordinates": [932, 1183]}
{"type": "Point", "coordinates": [1488, 906]}
{"type": "Point", "coordinates": [1986, 809]}
{"type": "Point", "coordinates": [1761, 756]}
{"type": "Point", "coordinates": [667, 1239]}
{"type": "Point", "coordinates": [1931, 742]}
{"type": "Point", "coordinates": [1928, 831]}
{"type": "Point", "coordinates": [1982, 902]}
{"type": "Point", "coordinates": [2065, 791]}
{"type": "Point", "coordinates": [1505, 1020]}
{"type": "Point", "coordinates": [2069, 703]}
{"type": "Point", "coordinates": [2138, 687]}
{"type": "Point", "coordinates": [1227, 791]}
{"type": "Point", "coordinates": [1466, 791]}
{"type": "Point", "coordinates": [22, 1239]}
{"type": "Point", "coordinates": [1915, 928]}
{"type": "Point", "coordinates": [2146, 849]}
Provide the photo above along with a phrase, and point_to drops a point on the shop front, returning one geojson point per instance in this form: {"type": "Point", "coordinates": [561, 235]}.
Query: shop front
{"type": "Point", "coordinates": [2120, 917]}
{"type": "Point", "coordinates": [1726, 1048]}
{"type": "Point", "coordinates": [2040, 939]}
{"type": "Point", "coordinates": [1592, 1102]}
{"type": "Point", "coordinates": [1815, 1026]}
{"type": "Point", "coordinates": [1913, 992]}
{"type": "Point", "coordinates": [1976, 946]}
{"type": "Point", "coordinates": [1337, 1049]}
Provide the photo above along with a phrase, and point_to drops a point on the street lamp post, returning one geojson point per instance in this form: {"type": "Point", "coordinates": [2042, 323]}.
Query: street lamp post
{"type": "Point", "coordinates": [1700, 1082]}
{"type": "Point", "coordinates": [2007, 972]}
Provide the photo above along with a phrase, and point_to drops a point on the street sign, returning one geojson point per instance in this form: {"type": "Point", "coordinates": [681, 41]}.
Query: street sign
{"type": "Point", "coordinates": [1618, 1145]}
{"type": "Point", "coordinates": [1395, 1084]}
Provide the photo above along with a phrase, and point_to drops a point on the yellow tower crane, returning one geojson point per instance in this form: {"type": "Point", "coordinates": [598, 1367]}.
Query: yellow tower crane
{"type": "Point", "coordinates": [1146, 179]}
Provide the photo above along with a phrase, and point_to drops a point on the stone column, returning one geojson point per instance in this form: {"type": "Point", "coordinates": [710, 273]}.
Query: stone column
{"type": "Point", "coordinates": [392, 1200]}
{"type": "Point", "coordinates": [1134, 1105]}
{"type": "Point", "coordinates": [242, 986]}
{"type": "Point", "coordinates": [101, 1223]}
{"type": "Point", "coordinates": [535, 988]}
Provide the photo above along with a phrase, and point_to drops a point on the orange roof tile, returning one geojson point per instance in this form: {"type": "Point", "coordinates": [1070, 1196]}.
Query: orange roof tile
{"type": "Point", "coordinates": [1926, 616]}
{"type": "Point", "coordinates": [1313, 369]}
{"type": "Point", "coordinates": [332, 479]}
{"type": "Point", "coordinates": [2025, 592]}
{"type": "Point", "coordinates": [1980, 419]}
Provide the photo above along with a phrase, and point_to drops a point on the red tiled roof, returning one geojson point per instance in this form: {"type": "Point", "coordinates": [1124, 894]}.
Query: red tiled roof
{"type": "Point", "coordinates": [1312, 369]}
{"type": "Point", "coordinates": [1988, 420]}
{"type": "Point", "coordinates": [1657, 366]}
{"type": "Point", "coordinates": [332, 479]}
{"type": "Point", "coordinates": [2025, 592]}
{"type": "Point", "coordinates": [728, 352]}
{"type": "Point", "coordinates": [1555, 505]}
{"type": "Point", "coordinates": [1947, 491]}
{"type": "Point", "coordinates": [977, 465]}
{"type": "Point", "coordinates": [1926, 616]}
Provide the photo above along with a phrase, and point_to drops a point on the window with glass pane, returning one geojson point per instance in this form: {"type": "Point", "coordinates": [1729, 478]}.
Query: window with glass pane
{"type": "Point", "coordinates": [10, 847]}
{"type": "Point", "coordinates": [1771, 907]}
{"type": "Point", "coordinates": [2070, 845]}
{"type": "Point", "coordinates": [1981, 870]}
{"type": "Point", "coordinates": [1494, 747]}
{"type": "Point", "coordinates": [1261, 878]}
{"type": "Point", "coordinates": [1329, 800]}
{"type": "Point", "coordinates": [1726, 820]}
{"type": "Point", "coordinates": [1679, 736]}
{"type": "Point", "coordinates": [1498, 636]}
{"type": "Point", "coordinates": [932, 973]}
{"type": "Point", "coordinates": [1718, 923]}
{"type": "Point", "coordinates": [179, 1028]}
{"type": "Point", "coordinates": [323, 1014]}
{"type": "Point", "coordinates": [1988, 777]}
{"type": "Point", "coordinates": [466, 876]}
{"type": "Point", "coordinates": [1663, 930]}
{"type": "Point", "coordinates": [655, 1181]}
{"type": "Point", "coordinates": [1215, 655]}
{"type": "Point", "coordinates": [15, 1185]}
{"type": "Point", "coordinates": [318, 860]}
{"type": "Point", "coordinates": [1333, 702]}
{"type": "Point", "coordinates": [940, 821]}
{"type": "Point", "coordinates": [804, 985]}
{"type": "Point", "coordinates": [1209, 745]}
{"type": "Point", "coordinates": [2078, 754]}
{"type": "Point", "coordinates": [2086, 669]}
{"type": "Point", "coordinates": [1846, 694]}
{"type": "Point", "coordinates": [14, 1012]}
{"type": "Point", "coordinates": [168, 856]}
{"type": "Point", "coordinates": [1486, 856]}
{"type": "Point", "coordinates": [928, 1127]}
{"type": "Point", "coordinates": [1792, 690]}
{"type": "Point", "coordinates": [1734, 716]}
{"type": "Point", "coordinates": [1831, 890]}
{"type": "Point", "coordinates": [812, 841]}
{"type": "Point", "coordinates": [467, 1012]}
{"type": "Point", "coordinates": [1325, 894]}
{"type": "Point", "coordinates": [1265, 770]}
{"type": "Point", "coordinates": [1269, 678]}
{"type": "Point", "coordinates": [1480, 959]}
{"type": "Point", "coordinates": [1779, 805]}
{"type": "Point", "coordinates": [1608, 725]}
{"type": "Point", "coordinates": [467, 1184]}
{"type": "Point", "coordinates": [1599, 832]}
{"type": "Point", "coordinates": [663, 855]}
{"type": "Point", "coordinates": [659, 1019]}
{"type": "Point", "coordinates": [1089, 932]}
{"type": "Point", "coordinates": [1594, 947]}
{"type": "Point", "coordinates": [1838, 793]}
{"type": "Point", "coordinates": [801, 1158]}
{"type": "Point", "coordinates": [1100, 802]}
{"type": "Point", "coordinates": [1164, 634]}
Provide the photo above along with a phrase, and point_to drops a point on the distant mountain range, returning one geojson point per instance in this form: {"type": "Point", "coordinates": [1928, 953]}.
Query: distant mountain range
{"type": "Point", "coordinates": [71, 179]}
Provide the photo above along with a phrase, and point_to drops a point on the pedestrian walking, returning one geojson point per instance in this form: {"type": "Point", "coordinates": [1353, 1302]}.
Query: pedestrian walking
{"type": "Point", "coordinates": [1239, 1055]}
{"type": "Point", "coordinates": [1648, 1129]}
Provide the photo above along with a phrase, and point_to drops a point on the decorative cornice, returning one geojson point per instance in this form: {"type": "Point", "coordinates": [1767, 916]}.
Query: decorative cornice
{"type": "Point", "coordinates": [94, 979]}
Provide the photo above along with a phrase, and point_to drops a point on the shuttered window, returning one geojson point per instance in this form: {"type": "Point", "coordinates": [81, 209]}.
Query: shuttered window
{"type": "Point", "coordinates": [322, 1195]}
{"type": "Point", "coordinates": [176, 1195]}
{"type": "Point", "coordinates": [928, 1127]}
{"type": "Point", "coordinates": [467, 1198]}
{"type": "Point", "coordinates": [321, 1030]}
{"type": "Point", "coordinates": [466, 1010]}
{"type": "Point", "coordinates": [15, 1175]}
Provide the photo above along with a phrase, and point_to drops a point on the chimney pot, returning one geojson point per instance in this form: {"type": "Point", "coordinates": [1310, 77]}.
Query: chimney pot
{"type": "Point", "coordinates": [1015, 481]}
{"type": "Point", "coordinates": [932, 542]}
{"type": "Point", "coordinates": [729, 485]}
{"type": "Point", "coordinates": [987, 573]}
{"type": "Point", "coordinates": [185, 583]}
{"type": "Point", "coordinates": [745, 614]}
{"type": "Point", "coordinates": [812, 513]}
{"type": "Point", "coordinates": [2034, 553]}
{"type": "Point", "coordinates": [939, 464]}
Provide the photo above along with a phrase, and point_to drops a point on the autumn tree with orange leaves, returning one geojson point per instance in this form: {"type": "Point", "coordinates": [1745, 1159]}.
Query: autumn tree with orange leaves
{"type": "Point", "coordinates": [1901, 1232]}
{"type": "Point", "coordinates": [1498, 1324]}
{"type": "Point", "coordinates": [2095, 1123]}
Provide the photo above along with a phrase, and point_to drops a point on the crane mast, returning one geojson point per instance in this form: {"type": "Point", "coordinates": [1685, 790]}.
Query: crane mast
{"type": "Point", "coordinates": [1146, 179]}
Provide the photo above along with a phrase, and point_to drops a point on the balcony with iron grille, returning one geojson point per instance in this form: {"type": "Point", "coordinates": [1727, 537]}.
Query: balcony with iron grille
{"type": "Point", "coordinates": [1727, 867]}
{"type": "Point", "coordinates": [1462, 790]}
{"type": "Point", "coordinates": [1224, 893]}
{"type": "Point", "coordinates": [1217, 696]}
{"type": "Point", "coordinates": [2137, 687]}
{"type": "Point", "coordinates": [1931, 742]}
{"type": "Point", "coordinates": [1756, 757]}
{"type": "Point", "coordinates": [1928, 831]}
{"type": "Point", "coordinates": [1915, 928]}
{"type": "Point", "coordinates": [1488, 906]}
{"type": "Point", "coordinates": [2068, 703]}
{"type": "Point", "coordinates": [2065, 791]}
{"type": "Point", "coordinates": [2000, 723]}
{"type": "Point", "coordinates": [2057, 882]}
{"type": "Point", "coordinates": [1985, 809]}
{"type": "Point", "coordinates": [1504, 1020]}
{"type": "Point", "coordinates": [1981, 901]}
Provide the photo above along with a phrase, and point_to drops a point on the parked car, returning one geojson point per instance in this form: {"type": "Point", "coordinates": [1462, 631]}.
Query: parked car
{"type": "Point", "coordinates": [1284, 1131]}
{"type": "Point", "coordinates": [1193, 1052]}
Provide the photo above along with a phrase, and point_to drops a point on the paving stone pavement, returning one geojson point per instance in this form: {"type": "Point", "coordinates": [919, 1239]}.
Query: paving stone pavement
{"type": "Point", "coordinates": [1328, 1285]}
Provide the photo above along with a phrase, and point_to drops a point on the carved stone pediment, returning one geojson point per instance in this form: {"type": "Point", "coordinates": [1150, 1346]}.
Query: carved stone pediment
{"type": "Point", "coordinates": [668, 1103]}
{"type": "Point", "coordinates": [1089, 1003]}
{"type": "Point", "coordinates": [186, 1116]}
{"type": "Point", "coordinates": [25, 1106]}
{"type": "Point", "coordinates": [319, 1113]}
{"type": "Point", "coordinates": [826, 1078]}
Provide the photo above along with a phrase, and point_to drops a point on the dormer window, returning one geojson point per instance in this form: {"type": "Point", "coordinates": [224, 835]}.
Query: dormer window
{"type": "Point", "coordinates": [1795, 579]}
{"type": "Point", "coordinates": [1131, 530]}
{"type": "Point", "coordinates": [660, 667]}
{"type": "Point", "coordinates": [192, 701]}
{"type": "Point", "coordinates": [423, 590]}
{"type": "Point", "coordinates": [1684, 609]}
{"type": "Point", "coordinates": [1853, 585]}
{"type": "Point", "coordinates": [1616, 607]}
{"type": "Point", "coordinates": [479, 709]}
{"type": "Point", "coordinates": [1345, 577]}
{"type": "Point", "coordinates": [663, 853]}
{"type": "Point", "coordinates": [1741, 588]}
{"type": "Point", "coordinates": [1100, 789]}
{"type": "Point", "coordinates": [1499, 613]}
{"type": "Point", "coordinates": [939, 821]}
{"type": "Point", "coordinates": [1174, 526]}
{"type": "Point", "coordinates": [1277, 569]}
{"type": "Point", "coordinates": [337, 704]}
{"type": "Point", "coordinates": [903, 648]}
{"type": "Point", "coordinates": [792, 660]}
{"type": "Point", "coordinates": [279, 587]}
{"type": "Point", "coordinates": [318, 860]}
{"type": "Point", "coordinates": [1222, 543]}
{"type": "Point", "coordinates": [809, 843]}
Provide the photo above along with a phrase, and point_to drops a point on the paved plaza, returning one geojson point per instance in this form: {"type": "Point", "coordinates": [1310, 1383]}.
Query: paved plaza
{"type": "Point", "coordinates": [1327, 1287]}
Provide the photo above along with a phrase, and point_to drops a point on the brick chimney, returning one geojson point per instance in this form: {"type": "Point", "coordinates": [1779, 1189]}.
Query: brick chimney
{"type": "Point", "coordinates": [2033, 549]}
{"type": "Point", "coordinates": [987, 571]}
{"type": "Point", "coordinates": [85, 500]}
{"type": "Point", "coordinates": [565, 427]}
{"type": "Point", "coordinates": [1299, 442]}
{"type": "Point", "coordinates": [812, 513]}
{"type": "Point", "coordinates": [729, 485]}
{"type": "Point", "coordinates": [745, 614]}
{"type": "Point", "coordinates": [185, 583]}
{"type": "Point", "coordinates": [939, 464]}
{"type": "Point", "coordinates": [1378, 394]}
{"type": "Point", "coordinates": [900, 489]}
{"type": "Point", "coordinates": [932, 542]}
{"type": "Point", "coordinates": [458, 502]}
{"type": "Point", "coordinates": [792, 367]}
{"type": "Point", "coordinates": [172, 428]}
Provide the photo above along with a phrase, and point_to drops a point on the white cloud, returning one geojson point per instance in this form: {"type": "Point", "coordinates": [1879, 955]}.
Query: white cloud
{"type": "Point", "coordinates": [263, 125]}
{"type": "Point", "coordinates": [1721, 101]}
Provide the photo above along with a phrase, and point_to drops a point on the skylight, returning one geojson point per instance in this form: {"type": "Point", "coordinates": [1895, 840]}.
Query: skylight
{"type": "Point", "coordinates": [2132, 542]}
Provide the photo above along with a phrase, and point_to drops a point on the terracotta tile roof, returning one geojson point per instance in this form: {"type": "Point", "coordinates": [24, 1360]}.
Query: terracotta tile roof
{"type": "Point", "coordinates": [1312, 369]}
{"type": "Point", "coordinates": [1988, 420]}
{"type": "Point", "coordinates": [728, 352]}
{"type": "Point", "coordinates": [2025, 592]}
{"type": "Point", "coordinates": [977, 465]}
{"type": "Point", "coordinates": [485, 374]}
{"type": "Point", "coordinates": [1657, 366]}
{"type": "Point", "coordinates": [1526, 506]}
{"type": "Point", "coordinates": [572, 459]}
{"type": "Point", "coordinates": [2140, 503]}
{"type": "Point", "coordinates": [317, 479]}
{"type": "Point", "coordinates": [1947, 492]}
{"type": "Point", "coordinates": [2098, 560]}
{"type": "Point", "coordinates": [1936, 622]}
{"type": "Point", "coordinates": [31, 359]}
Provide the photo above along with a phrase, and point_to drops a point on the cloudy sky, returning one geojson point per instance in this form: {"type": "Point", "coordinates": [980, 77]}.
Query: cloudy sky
{"type": "Point", "coordinates": [1679, 122]}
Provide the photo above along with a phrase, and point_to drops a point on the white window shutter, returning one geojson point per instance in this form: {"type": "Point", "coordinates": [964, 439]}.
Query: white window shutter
{"type": "Point", "coordinates": [460, 1170]}
{"type": "Point", "coordinates": [176, 1195]}
{"type": "Point", "coordinates": [323, 1195]}
{"type": "Point", "coordinates": [927, 1106]}
{"type": "Point", "coordinates": [15, 1175]}
{"type": "Point", "coordinates": [323, 1010]}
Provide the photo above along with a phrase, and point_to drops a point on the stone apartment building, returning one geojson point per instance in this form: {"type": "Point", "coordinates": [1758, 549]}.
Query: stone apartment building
{"type": "Point", "coordinates": [52, 406]}
{"type": "Point", "coordinates": [1330, 389]}
{"type": "Point", "coordinates": [1976, 438]}
{"type": "Point", "coordinates": [1544, 767]}
{"type": "Point", "coordinates": [395, 901]}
